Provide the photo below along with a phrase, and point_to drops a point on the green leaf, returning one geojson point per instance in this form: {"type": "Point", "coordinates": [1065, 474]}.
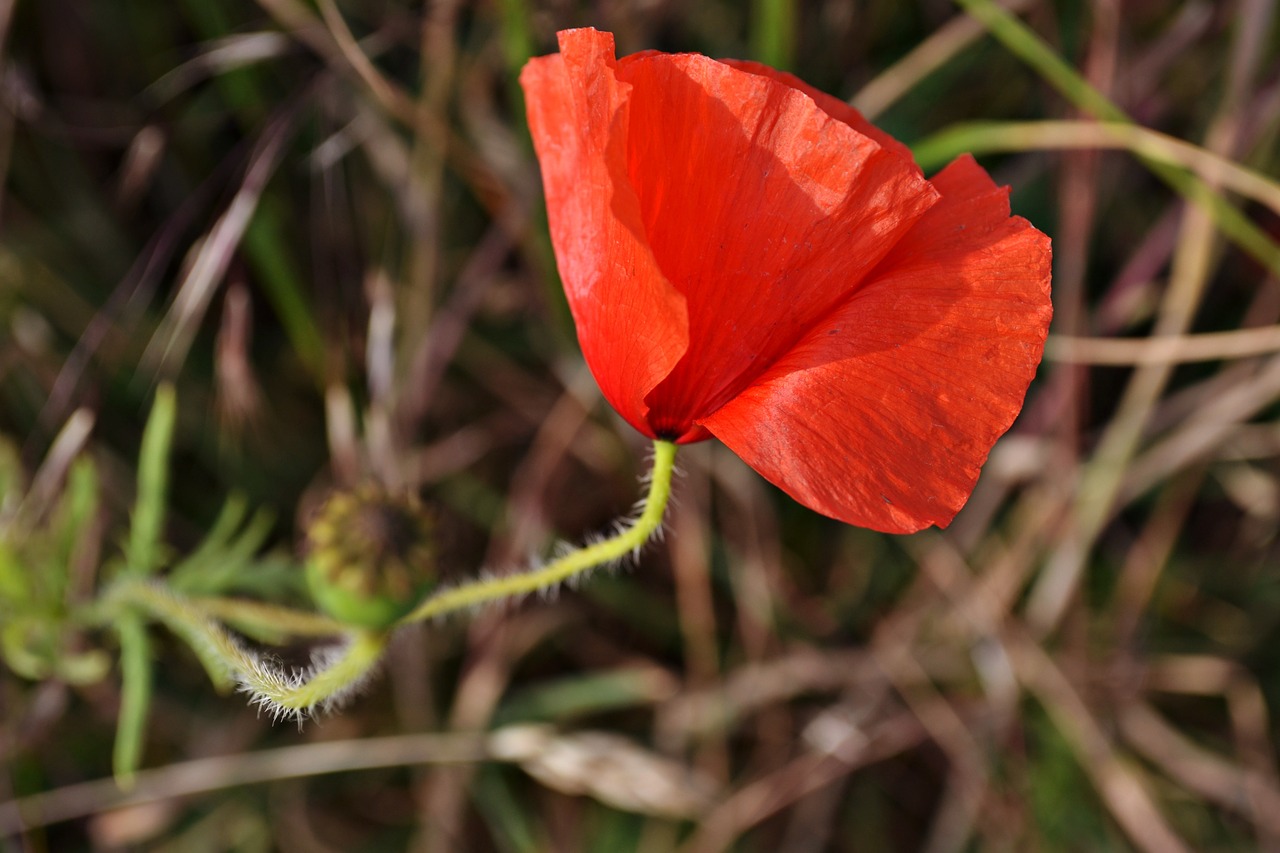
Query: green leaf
{"type": "Point", "coordinates": [73, 521]}
{"type": "Point", "coordinates": [142, 555]}
{"type": "Point", "coordinates": [227, 557]}
{"type": "Point", "coordinates": [135, 697]}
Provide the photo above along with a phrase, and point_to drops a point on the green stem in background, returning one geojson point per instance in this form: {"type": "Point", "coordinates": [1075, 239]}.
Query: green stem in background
{"type": "Point", "coordinates": [773, 32]}
{"type": "Point", "coordinates": [982, 137]}
{"type": "Point", "coordinates": [627, 541]}
{"type": "Point", "coordinates": [517, 37]}
{"type": "Point", "coordinates": [1021, 41]}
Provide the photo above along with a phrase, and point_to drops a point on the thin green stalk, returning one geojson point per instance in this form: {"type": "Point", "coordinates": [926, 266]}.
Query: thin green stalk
{"type": "Point", "coordinates": [326, 684]}
{"type": "Point", "coordinates": [517, 35]}
{"type": "Point", "coordinates": [282, 284]}
{"type": "Point", "coordinates": [261, 620]}
{"type": "Point", "coordinates": [570, 565]}
{"type": "Point", "coordinates": [1021, 41]}
{"type": "Point", "coordinates": [998, 136]}
{"type": "Point", "coordinates": [205, 638]}
{"type": "Point", "coordinates": [773, 32]}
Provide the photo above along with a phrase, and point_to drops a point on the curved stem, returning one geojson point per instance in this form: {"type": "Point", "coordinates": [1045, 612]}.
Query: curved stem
{"type": "Point", "coordinates": [334, 675]}
{"type": "Point", "coordinates": [326, 684]}
{"type": "Point", "coordinates": [627, 541]}
{"type": "Point", "coordinates": [339, 671]}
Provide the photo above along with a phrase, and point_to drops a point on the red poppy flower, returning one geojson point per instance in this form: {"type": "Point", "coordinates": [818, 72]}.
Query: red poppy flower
{"type": "Point", "coordinates": [748, 258]}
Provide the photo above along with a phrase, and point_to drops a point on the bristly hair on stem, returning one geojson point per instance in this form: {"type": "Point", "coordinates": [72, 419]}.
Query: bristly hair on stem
{"type": "Point", "coordinates": [338, 672]}
{"type": "Point", "coordinates": [628, 541]}
{"type": "Point", "coordinates": [336, 675]}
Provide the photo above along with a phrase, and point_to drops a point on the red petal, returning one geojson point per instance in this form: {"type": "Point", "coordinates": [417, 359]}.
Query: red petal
{"type": "Point", "coordinates": [832, 106]}
{"type": "Point", "coordinates": [763, 210]}
{"type": "Point", "coordinates": [884, 413]}
{"type": "Point", "coordinates": [632, 324]}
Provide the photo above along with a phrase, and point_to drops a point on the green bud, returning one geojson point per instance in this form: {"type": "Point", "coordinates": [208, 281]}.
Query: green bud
{"type": "Point", "coordinates": [370, 557]}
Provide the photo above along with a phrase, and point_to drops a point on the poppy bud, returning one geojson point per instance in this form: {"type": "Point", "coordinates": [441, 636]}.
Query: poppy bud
{"type": "Point", "coordinates": [371, 557]}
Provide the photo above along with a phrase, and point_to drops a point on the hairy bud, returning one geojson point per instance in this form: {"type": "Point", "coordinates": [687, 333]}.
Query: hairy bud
{"type": "Point", "coordinates": [371, 556]}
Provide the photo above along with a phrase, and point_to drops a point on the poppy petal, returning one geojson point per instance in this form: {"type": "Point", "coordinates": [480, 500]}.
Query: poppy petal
{"type": "Point", "coordinates": [884, 413]}
{"type": "Point", "coordinates": [632, 324]}
{"type": "Point", "coordinates": [760, 208]}
{"type": "Point", "coordinates": [831, 105]}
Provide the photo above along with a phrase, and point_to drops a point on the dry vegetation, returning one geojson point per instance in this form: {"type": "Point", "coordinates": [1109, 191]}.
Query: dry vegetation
{"type": "Point", "coordinates": [322, 222]}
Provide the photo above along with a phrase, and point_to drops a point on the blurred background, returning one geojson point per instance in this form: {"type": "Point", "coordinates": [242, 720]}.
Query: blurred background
{"type": "Point", "coordinates": [321, 221]}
